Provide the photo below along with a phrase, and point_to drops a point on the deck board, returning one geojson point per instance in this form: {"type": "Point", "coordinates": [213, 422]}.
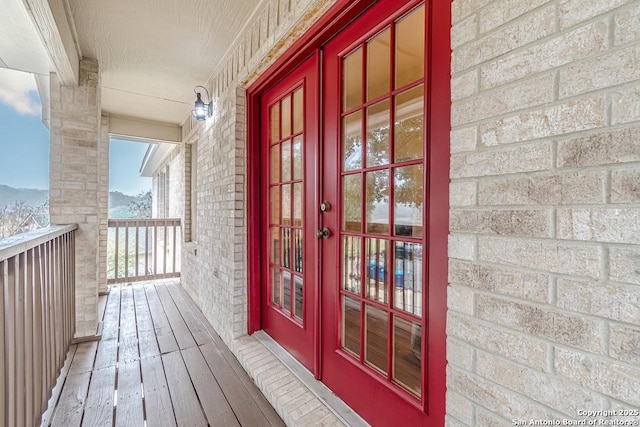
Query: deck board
{"type": "Point", "coordinates": [160, 380]}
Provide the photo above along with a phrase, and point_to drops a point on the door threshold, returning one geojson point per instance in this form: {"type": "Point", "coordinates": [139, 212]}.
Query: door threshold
{"type": "Point", "coordinates": [296, 395]}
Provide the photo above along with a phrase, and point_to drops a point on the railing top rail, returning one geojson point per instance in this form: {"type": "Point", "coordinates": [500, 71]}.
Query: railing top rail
{"type": "Point", "coordinates": [116, 222]}
{"type": "Point", "coordinates": [14, 245]}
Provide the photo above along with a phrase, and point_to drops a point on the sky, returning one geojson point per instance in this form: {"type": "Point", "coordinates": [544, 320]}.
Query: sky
{"type": "Point", "coordinates": [24, 142]}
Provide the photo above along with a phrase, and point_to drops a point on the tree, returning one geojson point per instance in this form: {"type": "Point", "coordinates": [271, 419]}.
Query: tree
{"type": "Point", "coordinates": [19, 217]}
{"type": "Point", "coordinates": [141, 207]}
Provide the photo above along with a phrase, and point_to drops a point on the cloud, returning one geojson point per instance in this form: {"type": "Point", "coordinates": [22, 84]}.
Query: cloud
{"type": "Point", "coordinates": [18, 90]}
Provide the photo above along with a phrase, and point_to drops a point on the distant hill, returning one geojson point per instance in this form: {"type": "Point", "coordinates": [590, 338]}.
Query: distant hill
{"type": "Point", "coordinates": [33, 197]}
{"type": "Point", "coordinates": [118, 202]}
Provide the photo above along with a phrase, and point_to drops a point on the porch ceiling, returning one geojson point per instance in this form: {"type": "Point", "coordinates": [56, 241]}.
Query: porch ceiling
{"type": "Point", "coordinates": [152, 53]}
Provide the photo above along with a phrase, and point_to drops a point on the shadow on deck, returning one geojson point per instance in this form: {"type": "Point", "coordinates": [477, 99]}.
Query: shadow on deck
{"type": "Point", "coordinates": [159, 363]}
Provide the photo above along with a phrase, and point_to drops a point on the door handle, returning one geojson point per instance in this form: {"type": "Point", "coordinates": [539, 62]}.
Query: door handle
{"type": "Point", "coordinates": [323, 234]}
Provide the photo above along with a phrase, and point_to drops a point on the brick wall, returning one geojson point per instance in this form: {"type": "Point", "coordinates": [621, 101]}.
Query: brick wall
{"type": "Point", "coordinates": [544, 271]}
{"type": "Point", "coordinates": [214, 271]}
{"type": "Point", "coordinates": [76, 174]}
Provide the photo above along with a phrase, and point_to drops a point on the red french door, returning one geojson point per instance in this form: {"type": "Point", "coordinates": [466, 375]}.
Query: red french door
{"type": "Point", "coordinates": [379, 344]}
{"type": "Point", "coordinates": [289, 177]}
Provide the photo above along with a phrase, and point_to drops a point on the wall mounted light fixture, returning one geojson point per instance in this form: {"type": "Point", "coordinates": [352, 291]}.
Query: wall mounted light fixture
{"type": "Point", "coordinates": [200, 109]}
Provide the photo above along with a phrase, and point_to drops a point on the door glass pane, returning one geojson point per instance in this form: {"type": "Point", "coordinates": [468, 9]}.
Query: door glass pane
{"type": "Point", "coordinates": [351, 275]}
{"type": "Point", "coordinates": [297, 157]}
{"type": "Point", "coordinates": [351, 325]}
{"type": "Point", "coordinates": [376, 338]}
{"type": "Point", "coordinates": [286, 204]}
{"type": "Point", "coordinates": [286, 117]}
{"type": "Point", "coordinates": [352, 141]}
{"type": "Point", "coordinates": [409, 48]}
{"type": "Point", "coordinates": [378, 134]}
{"type": "Point", "coordinates": [275, 163]}
{"type": "Point", "coordinates": [407, 264]}
{"type": "Point", "coordinates": [378, 60]}
{"type": "Point", "coordinates": [377, 269]}
{"type": "Point", "coordinates": [297, 204]}
{"type": "Point", "coordinates": [409, 124]}
{"type": "Point", "coordinates": [407, 354]}
{"type": "Point", "coordinates": [351, 202]}
{"type": "Point", "coordinates": [275, 286]}
{"type": "Point", "coordinates": [286, 160]}
{"type": "Point", "coordinates": [298, 250]}
{"type": "Point", "coordinates": [297, 309]}
{"type": "Point", "coordinates": [275, 245]}
{"type": "Point", "coordinates": [286, 291]}
{"type": "Point", "coordinates": [377, 203]}
{"type": "Point", "coordinates": [275, 122]}
{"type": "Point", "coordinates": [275, 205]}
{"type": "Point", "coordinates": [408, 197]}
{"type": "Point", "coordinates": [286, 247]}
{"type": "Point", "coordinates": [298, 111]}
{"type": "Point", "coordinates": [352, 80]}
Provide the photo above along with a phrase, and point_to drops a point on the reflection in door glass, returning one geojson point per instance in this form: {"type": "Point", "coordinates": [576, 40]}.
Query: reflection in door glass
{"type": "Point", "coordinates": [352, 80]}
{"type": "Point", "coordinates": [376, 338]}
{"type": "Point", "coordinates": [377, 202]}
{"type": "Point", "coordinates": [409, 124]}
{"type": "Point", "coordinates": [410, 48]}
{"type": "Point", "coordinates": [286, 291]}
{"type": "Point", "coordinates": [352, 141]}
{"type": "Point", "coordinates": [378, 134]}
{"type": "Point", "coordinates": [378, 59]}
{"type": "Point", "coordinates": [407, 354]}
{"type": "Point", "coordinates": [351, 272]}
{"type": "Point", "coordinates": [275, 286]}
{"type": "Point", "coordinates": [351, 325]}
{"type": "Point", "coordinates": [351, 203]}
{"type": "Point", "coordinates": [298, 293]}
{"type": "Point", "coordinates": [286, 117]}
{"type": "Point", "coordinates": [407, 263]}
{"type": "Point", "coordinates": [408, 198]}
{"type": "Point", "coordinates": [298, 112]}
{"type": "Point", "coordinates": [377, 270]}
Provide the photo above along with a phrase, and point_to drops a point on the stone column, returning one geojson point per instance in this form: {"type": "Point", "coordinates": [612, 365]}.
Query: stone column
{"type": "Point", "coordinates": [76, 156]}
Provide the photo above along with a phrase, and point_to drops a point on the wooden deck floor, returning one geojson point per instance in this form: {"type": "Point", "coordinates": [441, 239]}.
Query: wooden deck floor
{"type": "Point", "coordinates": [159, 363]}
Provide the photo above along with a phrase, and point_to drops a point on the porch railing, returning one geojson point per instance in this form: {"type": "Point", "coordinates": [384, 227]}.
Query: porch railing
{"type": "Point", "coordinates": [37, 319]}
{"type": "Point", "coordinates": [143, 249]}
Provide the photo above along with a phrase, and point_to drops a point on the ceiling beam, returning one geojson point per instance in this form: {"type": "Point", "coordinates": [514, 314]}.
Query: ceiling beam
{"type": "Point", "coordinates": [139, 129]}
{"type": "Point", "coordinates": [52, 22]}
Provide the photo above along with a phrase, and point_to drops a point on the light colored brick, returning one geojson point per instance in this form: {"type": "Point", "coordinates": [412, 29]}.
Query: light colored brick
{"type": "Point", "coordinates": [459, 353]}
{"type": "Point", "coordinates": [579, 259]}
{"type": "Point", "coordinates": [625, 186]}
{"type": "Point", "coordinates": [462, 193]}
{"type": "Point", "coordinates": [541, 321]}
{"type": "Point", "coordinates": [624, 343]}
{"type": "Point", "coordinates": [569, 47]}
{"type": "Point", "coordinates": [601, 148]}
{"type": "Point", "coordinates": [523, 158]}
{"type": "Point", "coordinates": [573, 12]}
{"type": "Point", "coordinates": [608, 300]}
{"type": "Point", "coordinates": [464, 31]}
{"type": "Point", "coordinates": [464, 139]}
{"type": "Point", "coordinates": [599, 374]}
{"type": "Point", "coordinates": [625, 103]}
{"type": "Point", "coordinates": [488, 337]}
{"type": "Point", "coordinates": [609, 69]}
{"type": "Point", "coordinates": [515, 34]}
{"type": "Point", "coordinates": [505, 99]}
{"type": "Point", "coordinates": [627, 22]}
{"type": "Point", "coordinates": [493, 397]}
{"type": "Point", "coordinates": [464, 85]}
{"type": "Point", "coordinates": [624, 265]}
{"type": "Point", "coordinates": [460, 407]}
{"type": "Point", "coordinates": [462, 247]}
{"type": "Point", "coordinates": [489, 419]}
{"type": "Point", "coordinates": [500, 12]}
{"type": "Point", "coordinates": [599, 224]}
{"type": "Point", "coordinates": [538, 386]}
{"type": "Point", "coordinates": [460, 299]}
{"type": "Point", "coordinates": [462, 8]}
{"type": "Point", "coordinates": [557, 189]}
{"type": "Point", "coordinates": [506, 281]}
{"type": "Point", "coordinates": [572, 116]}
{"type": "Point", "coordinates": [519, 222]}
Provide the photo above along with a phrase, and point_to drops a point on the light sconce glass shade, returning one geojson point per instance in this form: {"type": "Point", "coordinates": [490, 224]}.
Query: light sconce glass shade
{"type": "Point", "coordinates": [201, 110]}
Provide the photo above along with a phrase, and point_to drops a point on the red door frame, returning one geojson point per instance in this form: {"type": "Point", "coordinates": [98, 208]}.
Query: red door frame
{"type": "Point", "coordinates": [438, 123]}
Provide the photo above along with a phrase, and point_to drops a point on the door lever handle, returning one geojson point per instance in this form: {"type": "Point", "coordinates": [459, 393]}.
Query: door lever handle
{"type": "Point", "coordinates": [323, 234]}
